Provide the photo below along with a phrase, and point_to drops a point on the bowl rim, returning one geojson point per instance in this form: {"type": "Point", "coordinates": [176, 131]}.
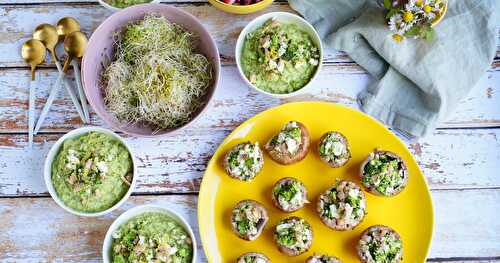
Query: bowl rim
{"type": "Point", "coordinates": [141, 209]}
{"type": "Point", "coordinates": [116, 9]}
{"type": "Point", "coordinates": [54, 150]}
{"type": "Point", "coordinates": [259, 21]}
{"type": "Point", "coordinates": [251, 7]}
{"type": "Point", "coordinates": [215, 61]}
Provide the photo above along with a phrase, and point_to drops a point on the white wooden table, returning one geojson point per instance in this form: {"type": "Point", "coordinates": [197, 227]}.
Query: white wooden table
{"type": "Point", "coordinates": [461, 159]}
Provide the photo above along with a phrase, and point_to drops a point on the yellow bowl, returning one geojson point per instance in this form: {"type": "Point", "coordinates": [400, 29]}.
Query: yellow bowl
{"type": "Point", "coordinates": [240, 9]}
{"type": "Point", "coordinates": [441, 16]}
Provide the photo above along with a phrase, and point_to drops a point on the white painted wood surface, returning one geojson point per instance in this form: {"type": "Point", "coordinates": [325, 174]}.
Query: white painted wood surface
{"type": "Point", "coordinates": [461, 159]}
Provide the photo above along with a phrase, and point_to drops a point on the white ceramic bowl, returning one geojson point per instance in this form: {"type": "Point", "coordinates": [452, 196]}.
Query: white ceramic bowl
{"type": "Point", "coordinates": [114, 9]}
{"type": "Point", "coordinates": [285, 18]}
{"type": "Point", "coordinates": [138, 210]}
{"type": "Point", "coordinates": [47, 172]}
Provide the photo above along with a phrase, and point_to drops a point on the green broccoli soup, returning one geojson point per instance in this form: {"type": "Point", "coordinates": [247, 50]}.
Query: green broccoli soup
{"type": "Point", "coordinates": [151, 237]}
{"type": "Point", "coordinates": [279, 58]}
{"type": "Point", "coordinates": [92, 172]}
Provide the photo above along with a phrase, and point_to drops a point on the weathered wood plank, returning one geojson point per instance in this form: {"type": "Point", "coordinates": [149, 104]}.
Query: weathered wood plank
{"type": "Point", "coordinates": [59, 236]}
{"type": "Point", "coordinates": [34, 235]}
{"type": "Point", "coordinates": [176, 164]}
{"type": "Point", "coordinates": [234, 102]}
{"type": "Point", "coordinates": [15, 29]}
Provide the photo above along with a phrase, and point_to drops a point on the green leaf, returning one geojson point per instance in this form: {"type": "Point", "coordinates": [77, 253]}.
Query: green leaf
{"type": "Point", "coordinates": [387, 4]}
{"type": "Point", "coordinates": [415, 30]}
{"type": "Point", "coordinates": [429, 34]}
{"type": "Point", "coordinates": [392, 12]}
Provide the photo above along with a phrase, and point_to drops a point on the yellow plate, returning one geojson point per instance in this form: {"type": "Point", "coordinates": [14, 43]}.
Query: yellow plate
{"type": "Point", "coordinates": [409, 213]}
{"type": "Point", "coordinates": [240, 9]}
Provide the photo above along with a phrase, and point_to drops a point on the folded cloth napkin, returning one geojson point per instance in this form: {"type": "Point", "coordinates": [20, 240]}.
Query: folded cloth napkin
{"type": "Point", "coordinates": [419, 82]}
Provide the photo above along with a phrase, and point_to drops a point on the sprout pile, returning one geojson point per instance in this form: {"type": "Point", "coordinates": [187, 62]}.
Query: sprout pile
{"type": "Point", "coordinates": [156, 79]}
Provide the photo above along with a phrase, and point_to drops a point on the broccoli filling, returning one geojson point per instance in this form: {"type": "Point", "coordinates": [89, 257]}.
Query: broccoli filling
{"type": "Point", "coordinates": [384, 172]}
{"type": "Point", "coordinates": [290, 137]}
{"type": "Point", "coordinates": [350, 207]}
{"type": "Point", "coordinates": [293, 234]}
{"type": "Point", "coordinates": [247, 219]}
{"type": "Point", "coordinates": [333, 149]}
{"type": "Point", "coordinates": [386, 249]}
{"type": "Point", "coordinates": [245, 161]}
{"type": "Point", "coordinates": [289, 194]}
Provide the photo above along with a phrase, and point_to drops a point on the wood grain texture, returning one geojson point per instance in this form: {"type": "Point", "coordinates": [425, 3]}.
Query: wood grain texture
{"type": "Point", "coordinates": [234, 102]}
{"type": "Point", "coordinates": [36, 235]}
{"type": "Point", "coordinates": [15, 29]}
{"type": "Point", "coordinates": [176, 164]}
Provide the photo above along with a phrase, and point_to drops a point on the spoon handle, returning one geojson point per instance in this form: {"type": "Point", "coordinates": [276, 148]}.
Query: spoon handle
{"type": "Point", "coordinates": [83, 99]}
{"type": "Point", "coordinates": [31, 112]}
{"type": "Point", "coordinates": [71, 93]}
{"type": "Point", "coordinates": [46, 107]}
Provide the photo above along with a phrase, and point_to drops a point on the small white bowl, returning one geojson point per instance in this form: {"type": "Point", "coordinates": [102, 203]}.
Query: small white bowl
{"type": "Point", "coordinates": [47, 172]}
{"type": "Point", "coordinates": [285, 18]}
{"type": "Point", "coordinates": [115, 9]}
{"type": "Point", "coordinates": [136, 211]}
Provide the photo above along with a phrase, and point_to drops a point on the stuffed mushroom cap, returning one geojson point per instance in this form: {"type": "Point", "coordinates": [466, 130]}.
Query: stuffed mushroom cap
{"type": "Point", "coordinates": [384, 173]}
{"type": "Point", "coordinates": [248, 219]}
{"type": "Point", "coordinates": [244, 161]}
{"type": "Point", "coordinates": [252, 257]}
{"type": "Point", "coordinates": [334, 149]}
{"type": "Point", "coordinates": [343, 206]}
{"type": "Point", "coordinates": [290, 145]}
{"type": "Point", "coordinates": [380, 244]}
{"type": "Point", "coordinates": [322, 259]}
{"type": "Point", "coordinates": [293, 236]}
{"type": "Point", "coordinates": [289, 194]}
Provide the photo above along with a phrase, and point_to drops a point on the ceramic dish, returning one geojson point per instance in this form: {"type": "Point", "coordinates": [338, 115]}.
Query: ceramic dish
{"type": "Point", "coordinates": [136, 211]}
{"type": "Point", "coordinates": [241, 9]}
{"type": "Point", "coordinates": [114, 9]}
{"type": "Point", "coordinates": [410, 213]}
{"type": "Point", "coordinates": [47, 172]}
{"type": "Point", "coordinates": [100, 51]}
{"type": "Point", "coordinates": [283, 17]}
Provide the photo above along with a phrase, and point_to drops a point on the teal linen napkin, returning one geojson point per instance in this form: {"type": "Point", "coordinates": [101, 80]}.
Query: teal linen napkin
{"type": "Point", "coordinates": [419, 83]}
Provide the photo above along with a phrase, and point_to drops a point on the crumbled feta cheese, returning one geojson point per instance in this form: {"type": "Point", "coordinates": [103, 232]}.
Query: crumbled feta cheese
{"type": "Point", "coordinates": [272, 64]}
{"type": "Point", "coordinates": [313, 61]}
{"type": "Point", "coordinates": [281, 65]}
{"type": "Point", "coordinates": [102, 166]}
{"type": "Point", "coordinates": [291, 145]}
{"type": "Point", "coordinates": [338, 148]}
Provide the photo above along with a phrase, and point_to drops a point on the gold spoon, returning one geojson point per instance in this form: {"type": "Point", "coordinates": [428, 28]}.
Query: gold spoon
{"type": "Point", "coordinates": [75, 44]}
{"type": "Point", "coordinates": [33, 52]}
{"type": "Point", "coordinates": [66, 26]}
{"type": "Point", "coordinates": [48, 35]}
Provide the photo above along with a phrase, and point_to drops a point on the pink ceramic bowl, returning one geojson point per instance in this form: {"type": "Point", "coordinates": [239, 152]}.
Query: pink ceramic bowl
{"type": "Point", "coordinates": [100, 51]}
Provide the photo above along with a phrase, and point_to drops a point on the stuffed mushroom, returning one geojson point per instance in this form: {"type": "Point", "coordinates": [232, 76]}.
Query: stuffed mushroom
{"type": "Point", "coordinates": [253, 257]}
{"type": "Point", "coordinates": [289, 194]}
{"type": "Point", "coordinates": [343, 206]}
{"type": "Point", "coordinates": [290, 145]}
{"type": "Point", "coordinates": [322, 259]}
{"type": "Point", "coordinates": [248, 219]}
{"type": "Point", "coordinates": [334, 149]}
{"type": "Point", "coordinates": [380, 244]}
{"type": "Point", "coordinates": [244, 161]}
{"type": "Point", "coordinates": [384, 173]}
{"type": "Point", "coordinates": [293, 236]}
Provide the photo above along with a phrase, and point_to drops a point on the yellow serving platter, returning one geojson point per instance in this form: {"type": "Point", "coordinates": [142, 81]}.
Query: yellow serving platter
{"type": "Point", "coordinates": [409, 213]}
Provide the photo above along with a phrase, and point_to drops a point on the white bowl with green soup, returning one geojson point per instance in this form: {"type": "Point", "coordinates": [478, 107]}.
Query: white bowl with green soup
{"type": "Point", "coordinates": [279, 54]}
{"type": "Point", "coordinates": [90, 171]}
{"type": "Point", "coordinates": [149, 233]}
